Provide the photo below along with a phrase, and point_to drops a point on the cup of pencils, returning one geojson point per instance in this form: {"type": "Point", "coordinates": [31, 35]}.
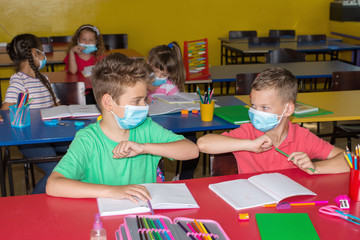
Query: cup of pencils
{"type": "Point", "coordinates": [206, 105]}
{"type": "Point", "coordinates": [354, 180]}
{"type": "Point", "coordinates": [20, 112]}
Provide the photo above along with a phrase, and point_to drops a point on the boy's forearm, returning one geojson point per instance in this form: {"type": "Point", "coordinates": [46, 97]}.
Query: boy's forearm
{"type": "Point", "coordinates": [179, 150]}
{"type": "Point", "coordinates": [336, 164]}
{"type": "Point", "coordinates": [60, 186]}
{"type": "Point", "coordinates": [216, 144]}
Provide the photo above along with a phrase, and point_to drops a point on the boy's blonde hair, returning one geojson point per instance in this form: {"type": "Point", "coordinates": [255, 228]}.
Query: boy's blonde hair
{"type": "Point", "coordinates": [280, 79]}
{"type": "Point", "coordinates": [116, 71]}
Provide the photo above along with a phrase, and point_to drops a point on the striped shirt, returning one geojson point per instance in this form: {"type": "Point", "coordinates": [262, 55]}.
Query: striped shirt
{"type": "Point", "coordinates": [19, 82]}
{"type": "Point", "coordinates": [167, 88]}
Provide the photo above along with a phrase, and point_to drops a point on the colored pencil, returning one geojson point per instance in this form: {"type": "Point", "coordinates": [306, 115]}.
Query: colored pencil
{"type": "Point", "coordinates": [287, 155]}
{"type": "Point", "coordinates": [167, 229]}
{"type": "Point", "coordinates": [207, 229]}
{"type": "Point", "coordinates": [348, 160]}
{"type": "Point", "coordinates": [193, 230]}
{"type": "Point", "coordinates": [311, 203]}
{"type": "Point", "coordinates": [138, 224]}
{"type": "Point", "coordinates": [186, 231]}
{"type": "Point", "coordinates": [162, 227]}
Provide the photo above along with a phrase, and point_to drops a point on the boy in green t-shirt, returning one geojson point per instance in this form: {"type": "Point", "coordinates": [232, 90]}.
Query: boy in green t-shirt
{"type": "Point", "coordinates": [108, 157]}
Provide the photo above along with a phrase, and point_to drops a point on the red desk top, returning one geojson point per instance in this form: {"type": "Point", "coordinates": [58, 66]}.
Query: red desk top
{"type": "Point", "coordinates": [44, 217]}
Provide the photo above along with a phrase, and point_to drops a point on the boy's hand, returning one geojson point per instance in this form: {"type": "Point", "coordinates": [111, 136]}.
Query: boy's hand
{"type": "Point", "coordinates": [128, 149]}
{"type": "Point", "coordinates": [1, 119]}
{"type": "Point", "coordinates": [77, 49]}
{"type": "Point", "coordinates": [302, 161]}
{"type": "Point", "coordinates": [261, 144]}
{"type": "Point", "coordinates": [130, 192]}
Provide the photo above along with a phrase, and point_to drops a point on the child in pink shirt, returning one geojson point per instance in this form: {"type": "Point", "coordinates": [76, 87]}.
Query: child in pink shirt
{"type": "Point", "coordinates": [273, 97]}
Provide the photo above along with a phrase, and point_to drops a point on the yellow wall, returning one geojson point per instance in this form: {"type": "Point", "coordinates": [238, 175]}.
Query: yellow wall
{"type": "Point", "coordinates": [152, 22]}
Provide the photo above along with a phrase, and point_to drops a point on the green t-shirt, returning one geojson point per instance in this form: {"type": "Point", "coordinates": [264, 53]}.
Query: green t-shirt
{"type": "Point", "coordinates": [90, 157]}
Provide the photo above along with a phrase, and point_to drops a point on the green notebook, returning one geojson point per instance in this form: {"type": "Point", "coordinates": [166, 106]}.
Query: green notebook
{"type": "Point", "coordinates": [235, 114]}
{"type": "Point", "coordinates": [305, 110]}
{"type": "Point", "coordinates": [294, 226]}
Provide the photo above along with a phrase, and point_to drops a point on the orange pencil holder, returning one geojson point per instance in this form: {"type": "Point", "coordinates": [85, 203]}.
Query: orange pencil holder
{"type": "Point", "coordinates": [207, 111]}
{"type": "Point", "coordinates": [354, 185]}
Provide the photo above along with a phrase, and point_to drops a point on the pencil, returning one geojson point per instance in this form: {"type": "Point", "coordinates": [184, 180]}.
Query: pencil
{"type": "Point", "coordinates": [348, 160]}
{"type": "Point", "coordinates": [143, 228]}
{"type": "Point", "coordinates": [287, 155]}
{"type": "Point", "coordinates": [186, 231]}
{"type": "Point", "coordinates": [138, 224]}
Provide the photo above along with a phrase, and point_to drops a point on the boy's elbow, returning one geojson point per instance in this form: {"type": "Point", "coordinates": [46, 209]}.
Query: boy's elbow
{"type": "Point", "coordinates": [51, 185]}
{"type": "Point", "coordinates": [201, 143]}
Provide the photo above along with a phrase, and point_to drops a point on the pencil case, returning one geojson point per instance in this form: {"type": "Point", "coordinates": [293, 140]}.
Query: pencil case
{"type": "Point", "coordinates": [162, 227]}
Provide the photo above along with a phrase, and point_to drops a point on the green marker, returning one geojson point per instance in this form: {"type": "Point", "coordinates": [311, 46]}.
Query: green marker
{"type": "Point", "coordinates": [287, 155]}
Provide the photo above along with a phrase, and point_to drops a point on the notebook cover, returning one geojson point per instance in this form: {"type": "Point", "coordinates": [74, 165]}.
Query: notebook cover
{"type": "Point", "coordinates": [279, 226]}
{"type": "Point", "coordinates": [310, 114]}
{"type": "Point", "coordinates": [235, 114]}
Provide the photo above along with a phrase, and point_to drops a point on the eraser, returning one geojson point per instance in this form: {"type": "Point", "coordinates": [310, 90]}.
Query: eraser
{"type": "Point", "coordinates": [79, 124]}
{"type": "Point", "coordinates": [184, 112]}
{"type": "Point", "coordinates": [52, 122]}
{"type": "Point", "coordinates": [243, 217]}
{"type": "Point", "coordinates": [195, 112]}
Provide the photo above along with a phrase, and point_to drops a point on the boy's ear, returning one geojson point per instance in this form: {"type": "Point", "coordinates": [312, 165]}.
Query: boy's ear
{"type": "Point", "coordinates": [289, 109]}
{"type": "Point", "coordinates": [107, 102]}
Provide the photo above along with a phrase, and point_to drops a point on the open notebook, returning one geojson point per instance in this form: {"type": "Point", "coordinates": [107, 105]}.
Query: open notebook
{"type": "Point", "coordinates": [164, 196]}
{"type": "Point", "coordinates": [64, 111]}
{"type": "Point", "coordinates": [180, 97]}
{"type": "Point", "coordinates": [258, 190]}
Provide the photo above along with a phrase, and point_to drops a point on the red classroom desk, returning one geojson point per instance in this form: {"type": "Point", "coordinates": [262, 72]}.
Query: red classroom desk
{"type": "Point", "coordinates": [44, 217]}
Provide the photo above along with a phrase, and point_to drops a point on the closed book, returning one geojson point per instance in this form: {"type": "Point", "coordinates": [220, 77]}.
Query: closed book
{"type": "Point", "coordinates": [236, 114]}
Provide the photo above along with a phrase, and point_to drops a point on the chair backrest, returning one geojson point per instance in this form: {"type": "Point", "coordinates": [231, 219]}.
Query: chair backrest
{"type": "Point", "coordinates": [223, 164]}
{"type": "Point", "coordinates": [115, 41]}
{"type": "Point", "coordinates": [70, 92]}
{"type": "Point", "coordinates": [283, 55]}
{"type": "Point", "coordinates": [47, 47]}
{"type": "Point", "coordinates": [256, 41]}
{"type": "Point", "coordinates": [60, 39]}
{"type": "Point", "coordinates": [311, 38]}
{"type": "Point", "coordinates": [44, 40]}
{"type": "Point", "coordinates": [242, 34]}
{"type": "Point", "coordinates": [343, 81]}
{"type": "Point", "coordinates": [282, 33]}
{"type": "Point", "coordinates": [244, 82]}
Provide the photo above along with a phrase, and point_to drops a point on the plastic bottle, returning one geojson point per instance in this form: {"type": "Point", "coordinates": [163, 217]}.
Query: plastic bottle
{"type": "Point", "coordinates": [98, 232]}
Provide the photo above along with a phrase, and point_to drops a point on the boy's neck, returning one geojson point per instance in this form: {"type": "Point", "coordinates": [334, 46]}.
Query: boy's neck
{"type": "Point", "coordinates": [25, 68]}
{"type": "Point", "coordinates": [112, 130]}
{"type": "Point", "coordinates": [279, 134]}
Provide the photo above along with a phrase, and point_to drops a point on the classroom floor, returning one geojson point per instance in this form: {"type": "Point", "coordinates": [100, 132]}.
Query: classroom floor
{"type": "Point", "coordinates": [170, 166]}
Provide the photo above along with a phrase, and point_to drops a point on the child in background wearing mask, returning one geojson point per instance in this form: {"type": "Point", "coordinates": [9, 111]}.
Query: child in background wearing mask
{"type": "Point", "coordinates": [87, 47]}
{"type": "Point", "coordinates": [168, 68]}
{"type": "Point", "coordinates": [25, 51]}
{"type": "Point", "coordinates": [107, 158]}
{"type": "Point", "coordinates": [273, 97]}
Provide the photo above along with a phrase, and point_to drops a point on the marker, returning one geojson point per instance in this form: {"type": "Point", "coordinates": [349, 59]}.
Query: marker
{"type": "Point", "coordinates": [287, 155]}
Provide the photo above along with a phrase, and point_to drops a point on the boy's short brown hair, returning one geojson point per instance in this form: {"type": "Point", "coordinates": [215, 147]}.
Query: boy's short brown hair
{"type": "Point", "coordinates": [116, 71]}
{"type": "Point", "coordinates": [280, 79]}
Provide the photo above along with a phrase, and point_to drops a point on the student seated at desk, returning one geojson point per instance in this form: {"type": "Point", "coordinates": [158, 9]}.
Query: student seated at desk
{"type": "Point", "coordinates": [169, 71]}
{"type": "Point", "coordinates": [273, 97]}
{"type": "Point", "coordinates": [86, 48]}
{"type": "Point", "coordinates": [25, 50]}
{"type": "Point", "coordinates": [108, 157]}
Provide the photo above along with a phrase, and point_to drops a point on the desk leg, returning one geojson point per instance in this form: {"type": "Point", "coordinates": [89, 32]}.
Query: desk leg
{"type": "Point", "coordinates": [2, 175]}
{"type": "Point", "coordinates": [221, 53]}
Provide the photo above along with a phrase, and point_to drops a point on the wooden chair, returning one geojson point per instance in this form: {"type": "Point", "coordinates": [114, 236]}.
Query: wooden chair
{"type": "Point", "coordinates": [242, 34]}
{"type": "Point", "coordinates": [262, 41]}
{"type": "Point", "coordinates": [68, 93]}
{"type": "Point", "coordinates": [115, 41]}
{"type": "Point", "coordinates": [282, 33]}
{"type": "Point", "coordinates": [236, 57]}
{"type": "Point", "coordinates": [223, 164]}
{"type": "Point", "coordinates": [60, 39]}
{"type": "Point", "coordinates": [344, 81]}
{"type": "Point", "coordinates": [244, 82]}
{"type": "Point", "coordinates": [311, 39]}
{"type": "Point", "coordinates": [284, 55]}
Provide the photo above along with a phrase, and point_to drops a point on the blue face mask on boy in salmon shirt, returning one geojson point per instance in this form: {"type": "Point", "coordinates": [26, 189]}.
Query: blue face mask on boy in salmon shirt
{"type": "Point", "coordinates": [265, 121]}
